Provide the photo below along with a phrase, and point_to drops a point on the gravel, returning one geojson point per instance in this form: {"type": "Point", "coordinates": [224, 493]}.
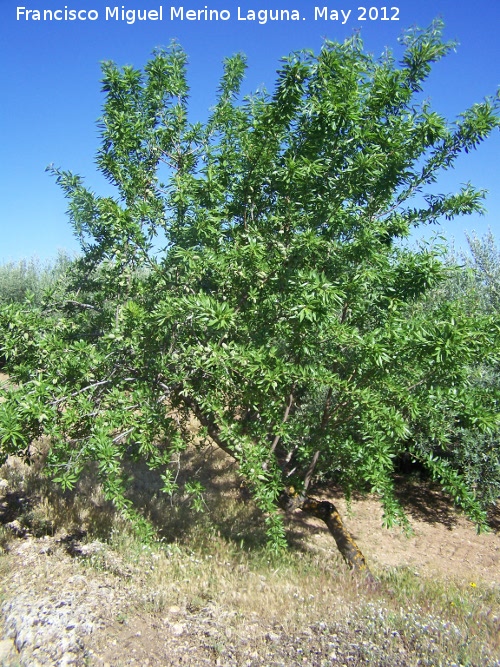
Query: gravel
{"type": "Point", "coordinates": [51, 607]}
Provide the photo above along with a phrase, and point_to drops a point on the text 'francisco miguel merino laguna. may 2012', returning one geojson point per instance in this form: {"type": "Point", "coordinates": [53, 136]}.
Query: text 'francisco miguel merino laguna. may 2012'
{"type": "Point", "coordinates": [206, 14]}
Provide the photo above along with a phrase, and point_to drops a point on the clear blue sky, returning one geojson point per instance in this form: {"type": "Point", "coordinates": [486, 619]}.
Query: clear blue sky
{"type": "Point", "coordinates": [51, 95]}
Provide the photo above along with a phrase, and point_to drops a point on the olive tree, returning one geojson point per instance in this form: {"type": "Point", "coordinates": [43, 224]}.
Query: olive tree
{"type": "Point", "coordinates": [252, 272]}
{"type": "Point", "coordinates": [474, 280]}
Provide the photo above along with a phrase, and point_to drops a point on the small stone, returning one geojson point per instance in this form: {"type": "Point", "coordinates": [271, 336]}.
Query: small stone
{"type": "Point", "coordinates": [16, 528]}
{"type": "Point", "coordinates": [46, 550]}
{"type": "Point", "coordinates": [6, 648]}
{"type": "Point", "coordinates": [177, 628]}
{"type": "Point", "coordinates": [174, 609]}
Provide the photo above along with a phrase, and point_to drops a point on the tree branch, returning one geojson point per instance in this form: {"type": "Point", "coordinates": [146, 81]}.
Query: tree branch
{"type": "Point", "coordinates": [310, 470]}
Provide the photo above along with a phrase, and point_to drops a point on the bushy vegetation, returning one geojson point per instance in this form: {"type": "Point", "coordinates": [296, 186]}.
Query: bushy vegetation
{"type": "Point", "coordinates": [475, 282]}
{"type": "Point", "coordinates": [285, 314]}
{"type": "Point", "coordinates": [30, 278]}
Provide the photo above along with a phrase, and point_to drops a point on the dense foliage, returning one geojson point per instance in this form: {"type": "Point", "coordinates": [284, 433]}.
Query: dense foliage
{"type": "Point", "coordinates": [251, 272]}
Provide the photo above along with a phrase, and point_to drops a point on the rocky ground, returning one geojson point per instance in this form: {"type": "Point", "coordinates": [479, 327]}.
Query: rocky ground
{"type": "Point", "coordinates": [57, 611]}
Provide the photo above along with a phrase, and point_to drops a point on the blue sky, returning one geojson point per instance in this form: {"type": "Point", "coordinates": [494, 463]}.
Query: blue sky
{"type": "Point", "coordinates": [51, 96]}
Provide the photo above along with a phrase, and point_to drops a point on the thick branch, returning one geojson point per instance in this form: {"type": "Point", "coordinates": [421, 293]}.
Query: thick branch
{"type": "Point", "coordinates": [328, 513]}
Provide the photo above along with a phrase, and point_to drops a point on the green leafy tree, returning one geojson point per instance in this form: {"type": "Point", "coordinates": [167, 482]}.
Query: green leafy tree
{"type": "Point", "coordinates": [251, 271]}
{"type": "Point", "coordinates": [474, 281]}
{"type": "Point", "coordinates": [482, 266]}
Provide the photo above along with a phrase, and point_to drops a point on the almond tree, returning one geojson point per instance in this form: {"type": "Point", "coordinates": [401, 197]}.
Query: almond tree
{"type": "Point", "coordinates": [252, 271]}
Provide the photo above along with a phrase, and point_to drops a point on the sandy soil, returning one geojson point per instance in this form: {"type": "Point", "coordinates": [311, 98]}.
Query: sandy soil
{"type": "Point", "coordinates": [443, 543]}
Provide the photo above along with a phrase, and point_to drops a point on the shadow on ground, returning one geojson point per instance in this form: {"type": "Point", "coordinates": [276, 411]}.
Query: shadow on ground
{"type": "Point", "coordinates": [230, 512]}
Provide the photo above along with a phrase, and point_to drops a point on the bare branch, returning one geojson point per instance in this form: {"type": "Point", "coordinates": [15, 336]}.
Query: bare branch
{"type": "Point", "coordinates": [124, 434]}
{"type": "Point", "coordinates": [285, 418]}
{"type": "Point", "coordinates": [310, 470]}
{"type": "Point", "coordinates": [75, 393]}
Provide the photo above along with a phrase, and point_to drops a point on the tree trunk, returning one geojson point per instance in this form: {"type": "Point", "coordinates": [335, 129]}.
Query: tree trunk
{"type": "Point", "coordinates": [328, 513]}
{"type": "Point", "coordinates": [291, 500]}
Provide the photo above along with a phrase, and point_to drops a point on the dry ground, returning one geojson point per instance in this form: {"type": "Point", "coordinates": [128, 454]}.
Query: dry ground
{"type": "Point", "coordinates": [443, 543]}
{"type": "Point", "coordinates": [91, 594]}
